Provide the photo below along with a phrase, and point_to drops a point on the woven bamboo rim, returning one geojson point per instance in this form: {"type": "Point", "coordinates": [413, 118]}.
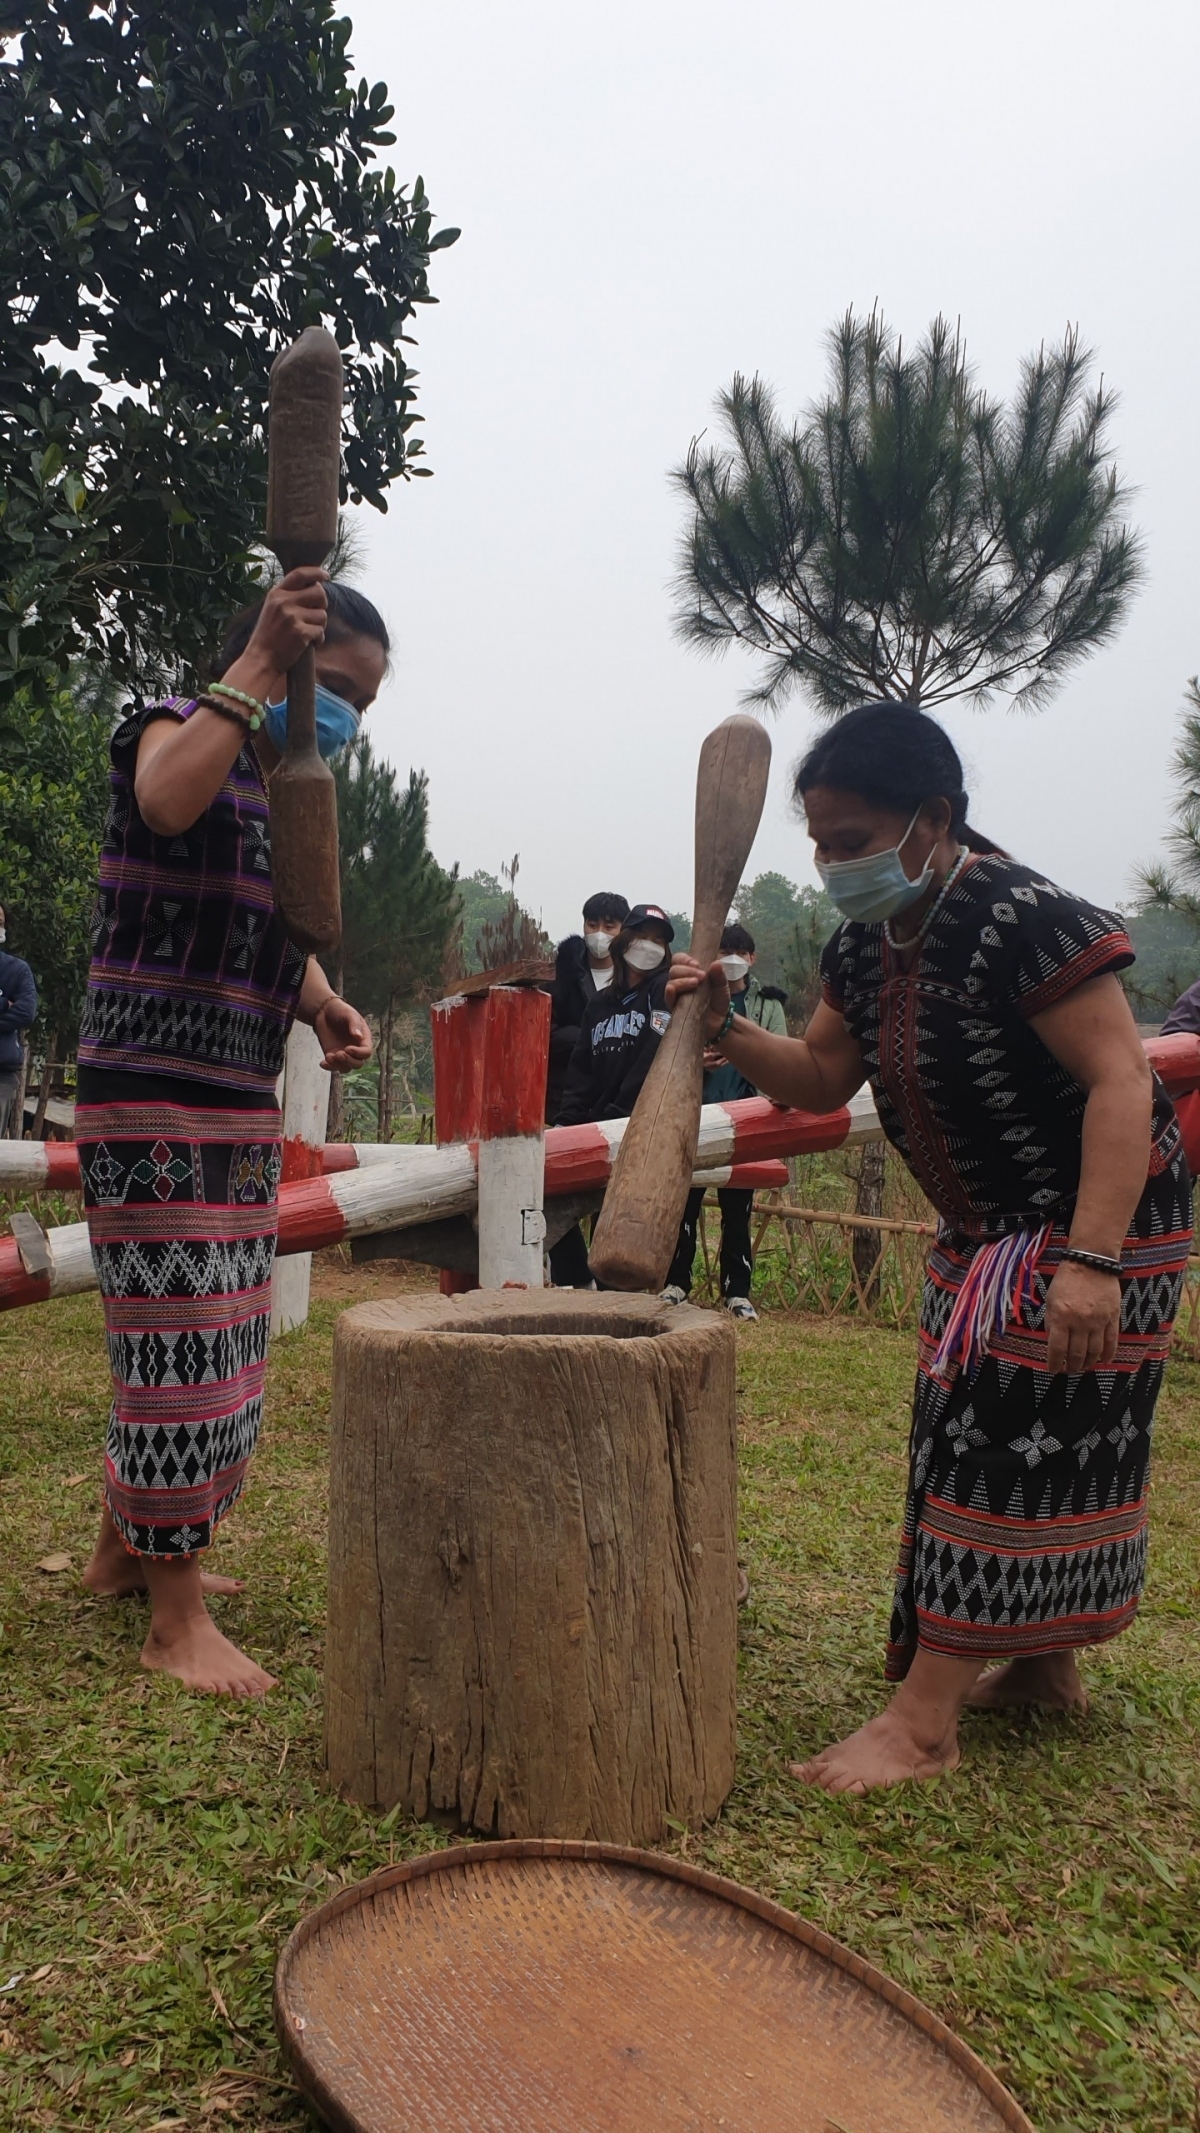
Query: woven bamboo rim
{"type": "Point", "coordinates": [831, 1951]}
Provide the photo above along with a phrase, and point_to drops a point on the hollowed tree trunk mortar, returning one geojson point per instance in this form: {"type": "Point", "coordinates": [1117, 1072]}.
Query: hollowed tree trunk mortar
{"type": "Point", "coordinates": [533, 1562]}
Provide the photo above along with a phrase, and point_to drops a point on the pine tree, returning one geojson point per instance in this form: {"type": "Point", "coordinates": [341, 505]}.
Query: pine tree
{"type": "Point", "coordinates": [910, 540]}
{"type": "Point", "coordinates": [399, 907]}
{"type": "Point", "coordinates": [1169, 891]}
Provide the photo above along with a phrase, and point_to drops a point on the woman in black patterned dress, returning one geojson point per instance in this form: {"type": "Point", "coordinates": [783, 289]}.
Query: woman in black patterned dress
{"type": "Point", "coordinates": [981, 1002]}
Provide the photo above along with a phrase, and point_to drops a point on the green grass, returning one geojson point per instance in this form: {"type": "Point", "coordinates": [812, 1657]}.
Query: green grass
{"type": "Point", "coordinates": [155, 1849]}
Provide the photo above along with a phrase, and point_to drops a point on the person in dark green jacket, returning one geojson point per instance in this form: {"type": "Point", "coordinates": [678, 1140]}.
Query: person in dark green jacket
{"type": "Point", "coordinates": [723, 1084]}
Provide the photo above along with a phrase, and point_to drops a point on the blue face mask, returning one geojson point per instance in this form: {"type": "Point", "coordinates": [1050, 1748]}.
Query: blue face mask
{"type": "Point", "coordinates": [876, 887]}
{"type": "Point", "coordinates": [337, 722]}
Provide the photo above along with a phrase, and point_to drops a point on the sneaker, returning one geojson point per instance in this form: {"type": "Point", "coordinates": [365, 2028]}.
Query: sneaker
{"type": "Point", "coordinates": [672, 1295]}
{"type": "Point", "coordinates": [741, 1307]}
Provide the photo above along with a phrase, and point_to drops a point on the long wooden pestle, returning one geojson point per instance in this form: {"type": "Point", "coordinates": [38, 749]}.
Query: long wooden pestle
{"type": "Point", "coordinates": [639, 1223]}
{"type": "Point", "coordinates": [302, 520]}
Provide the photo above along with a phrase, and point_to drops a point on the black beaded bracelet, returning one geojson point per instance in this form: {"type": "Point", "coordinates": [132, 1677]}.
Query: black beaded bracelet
{"type": "Point", "coordinates": [726, 1026]}
{"type": "Point", "coordinates": [228, 711]}
{"type": "Point", "coordinates": [1098, 1261]}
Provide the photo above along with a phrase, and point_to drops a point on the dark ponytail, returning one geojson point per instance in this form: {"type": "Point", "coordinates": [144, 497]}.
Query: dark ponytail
{"type": "Point", "coordinates": [893, 757]}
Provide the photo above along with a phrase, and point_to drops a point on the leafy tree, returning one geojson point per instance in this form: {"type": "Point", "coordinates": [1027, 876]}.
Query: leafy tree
{"type": "Point", "coordinates": [495, 928]}
{"type": "Point", "coordinates": [53, 800]}
{"type": "Point", "coordinates": [483, 898]}
{"type": "Point", "coordinates": [790, 927]}
{"type": "Point", "coordinates": [399, 907]}
{"type": "Point", "coordinates": [909, 539]}
{"type": "Point", "coordinates": [184, 184]}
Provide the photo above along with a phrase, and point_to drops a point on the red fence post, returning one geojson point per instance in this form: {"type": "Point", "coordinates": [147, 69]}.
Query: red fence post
{"type": "Point", "coordinates": [490, 1051]}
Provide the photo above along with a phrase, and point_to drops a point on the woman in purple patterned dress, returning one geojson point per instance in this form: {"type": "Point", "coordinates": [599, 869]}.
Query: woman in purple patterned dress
{"type": "Point", "coordinates": [981, 1003]}
{"type": "Point", "coordinates": [192, 989]}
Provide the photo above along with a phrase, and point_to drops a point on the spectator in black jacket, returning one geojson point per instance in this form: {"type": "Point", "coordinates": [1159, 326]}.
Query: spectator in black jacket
{"type": "Point", "coordinates": [617, 1040]}
{"type": "Point", "coordinates": [583, 968]}
{"type": "Point", "coordinates": [18, 1006]}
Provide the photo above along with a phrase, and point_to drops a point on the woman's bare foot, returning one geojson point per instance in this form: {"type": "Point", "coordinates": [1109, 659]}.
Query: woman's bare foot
{"type": "Point", "coordinates": [915, 1738]}
{"type": "Point", "coordinates": [116, 1573]}
{"type": "Point", "coordinates": [185, 1641]}
{"type": "Point", "coordinates": [196, 1653]}
{"type": "Point", "coordinates": [883, 1752]}
{"type": "Point", "coordinates": [1050, 1679]}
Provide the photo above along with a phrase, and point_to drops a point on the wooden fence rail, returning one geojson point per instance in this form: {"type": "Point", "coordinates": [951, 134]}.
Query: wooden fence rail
{"type": "Point", "coordinates": [803, 1262]}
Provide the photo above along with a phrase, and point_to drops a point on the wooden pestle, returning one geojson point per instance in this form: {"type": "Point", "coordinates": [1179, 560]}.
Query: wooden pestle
{"type": "Point", "coordinates": [638, 1226]}
{"type": "Point", "coordinates": [304, 467]}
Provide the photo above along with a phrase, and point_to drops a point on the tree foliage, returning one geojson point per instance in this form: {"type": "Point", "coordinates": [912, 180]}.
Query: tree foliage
{"type": "Point", "coordinates": [184, 185]}
{"type": "Point", "coordinates": [399, 907]}
{"type": "Point", "coordinates": [1168, 921]}
{"type": "Point", "coordinates": [1174, 885]}
{"type": "Point", "coordinates": [495, 928]}
{"type": "Point", "coordinates": [514, 935]}
{"type": "Point", "coordinates": [909, 539]}
{"type": "Point", "coordinates": [53, 800]}
{"type": "Point", "coordinates": [790, 927]}
{"type": "Point", "coordinates": [1167, 946]}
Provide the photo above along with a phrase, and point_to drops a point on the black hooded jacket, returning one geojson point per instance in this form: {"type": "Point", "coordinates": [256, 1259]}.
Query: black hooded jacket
{"type": "Point", "coordinates": [572, 996]}
{"type": "Point", "coordinates": [617, 1040]}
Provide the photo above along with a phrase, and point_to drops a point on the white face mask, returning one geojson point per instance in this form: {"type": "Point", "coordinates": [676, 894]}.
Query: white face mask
{"type": "Point", "coordinates": [735, 968]}
{"type": "Point", "coordinates": [599, 946]}
{"type": "Point", "coordinates": [644, 955]}
{"type": "Point", "coordinates": [3, 936]}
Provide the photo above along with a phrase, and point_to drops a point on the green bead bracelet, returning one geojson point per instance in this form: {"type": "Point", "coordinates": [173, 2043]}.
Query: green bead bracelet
{"type": "Point", "coordinates": [254, 704]}
{"type": "Point", "coordinates": [727, 1024]}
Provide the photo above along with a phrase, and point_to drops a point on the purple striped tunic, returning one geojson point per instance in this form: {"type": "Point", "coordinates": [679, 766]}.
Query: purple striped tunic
{"type": "Point", "coordinates": [192, 973]}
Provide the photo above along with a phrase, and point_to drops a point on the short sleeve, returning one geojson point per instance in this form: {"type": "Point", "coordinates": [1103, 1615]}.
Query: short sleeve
{"type": "Point", "coordinates": [1052, 942]}
{"type": "Point", "coordinates": [124, 744]}
{"type": "Point", "coordinates": [833, 972]}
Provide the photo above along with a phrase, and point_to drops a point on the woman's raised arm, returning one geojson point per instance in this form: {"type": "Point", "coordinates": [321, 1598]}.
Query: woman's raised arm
{"type": "Point", "coordinates": [182, 765]}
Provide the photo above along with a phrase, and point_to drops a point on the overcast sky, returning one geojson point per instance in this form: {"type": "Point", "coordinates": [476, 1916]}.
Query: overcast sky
{"type": "Point", "coordinates": [653, 196]}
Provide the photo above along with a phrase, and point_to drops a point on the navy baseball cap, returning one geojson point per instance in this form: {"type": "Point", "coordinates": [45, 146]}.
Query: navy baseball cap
{"type": "Point", "coordinates": [646, 915]}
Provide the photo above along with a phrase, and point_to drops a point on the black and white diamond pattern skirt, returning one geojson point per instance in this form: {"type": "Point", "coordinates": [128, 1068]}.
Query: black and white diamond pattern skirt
{"type": "Point", "coordinates": [1026, 1518]}
{"type": "Point", "coordinates": [181, 1209]}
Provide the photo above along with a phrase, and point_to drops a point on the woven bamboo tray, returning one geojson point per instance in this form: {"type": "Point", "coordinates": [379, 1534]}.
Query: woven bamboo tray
{"type": "Point", "coordinates": [554, 1987]}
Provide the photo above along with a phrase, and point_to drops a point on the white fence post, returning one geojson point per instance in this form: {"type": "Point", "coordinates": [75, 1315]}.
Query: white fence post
{"type": "Point", "coordinates": [306, 1088]}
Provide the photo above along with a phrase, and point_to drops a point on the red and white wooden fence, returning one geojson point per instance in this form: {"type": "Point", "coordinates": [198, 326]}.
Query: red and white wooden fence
{"type": "Point", "coordinates": [368, 1189]}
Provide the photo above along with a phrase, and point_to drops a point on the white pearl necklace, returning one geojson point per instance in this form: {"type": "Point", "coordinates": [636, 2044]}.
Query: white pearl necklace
{"type": "Point", "coordinates": [934, 907]}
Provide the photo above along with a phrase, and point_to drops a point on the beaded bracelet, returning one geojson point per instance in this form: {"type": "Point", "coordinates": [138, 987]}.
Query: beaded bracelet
{"type": "Point", "coordinates": [248, 724]}
{"type": "Point", "coordinates": [726, 1026]}
{"type": "Point", "coordinates": [254, 704]}
{"type": "Point", "coordinates": [1099, 1262]}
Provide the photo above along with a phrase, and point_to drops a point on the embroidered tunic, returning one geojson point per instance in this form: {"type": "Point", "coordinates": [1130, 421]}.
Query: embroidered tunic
{"type": "Point", "coordinates": [984, 1116]}
{"type": "Point", "coordinates": [1025, 1522]}
{"type": "Point", "coordinates": [192, 973]}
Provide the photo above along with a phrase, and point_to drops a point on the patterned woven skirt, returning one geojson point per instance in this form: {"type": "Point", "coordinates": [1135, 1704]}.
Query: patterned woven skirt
{"type": "Point", "coordinates": [181, 1210]}
{"type": "Point", "coordinates": [1025, 1523]}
